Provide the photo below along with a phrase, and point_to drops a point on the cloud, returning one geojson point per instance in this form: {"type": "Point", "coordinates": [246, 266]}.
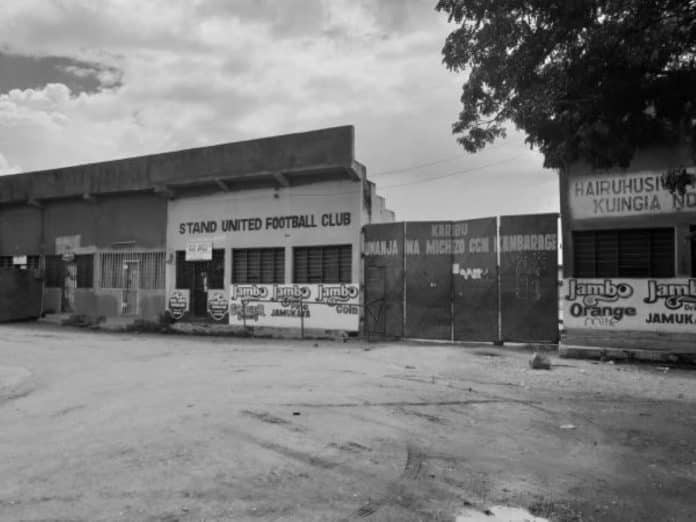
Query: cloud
{"type": "Point", "coordinates": [19, 71]}
{"type": "Point", "coordinates": [6, 168]}
{"type": "Point", "coordinates": [142, 77]}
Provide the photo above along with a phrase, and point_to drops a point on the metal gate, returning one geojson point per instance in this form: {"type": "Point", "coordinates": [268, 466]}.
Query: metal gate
{"type": "Point", "coordinates": [529, 277]}
{"type": "Point", "coordinates": [428, 280]}
{"type": "Point", "coordinates": [384, 282]}
{"type": "Point", "coordinates": [474, 280]}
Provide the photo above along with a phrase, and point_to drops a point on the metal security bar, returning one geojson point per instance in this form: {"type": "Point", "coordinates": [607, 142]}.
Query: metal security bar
{"type": "Point", "coordinates": [115, 268]}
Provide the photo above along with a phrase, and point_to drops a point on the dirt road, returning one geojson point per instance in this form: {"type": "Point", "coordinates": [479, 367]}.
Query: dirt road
{"type": "Point", "coordinates": [97, 426]}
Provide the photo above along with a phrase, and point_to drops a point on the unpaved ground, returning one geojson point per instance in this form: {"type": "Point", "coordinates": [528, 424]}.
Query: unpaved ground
{"type": "Point", "coordinates": [98, 426]}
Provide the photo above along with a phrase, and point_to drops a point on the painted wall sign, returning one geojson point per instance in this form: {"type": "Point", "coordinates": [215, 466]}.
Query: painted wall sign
{"type": "Point", "coordinates": [662, 305]}
{"type": "Point", "coordinates": [321, 306]}
{"type": "Point", "coordinates": [199, 251]}
{"type": "Point", "coordinates": [178, 303]}
{"type": "Point", "coordinates": [253, 224]}
{"type": "Point", "coordinates": [19, 260]}
{"type": "Point", "coordinates": [616, 195]}
{"type": "Point", "coordinates": [218, 304]}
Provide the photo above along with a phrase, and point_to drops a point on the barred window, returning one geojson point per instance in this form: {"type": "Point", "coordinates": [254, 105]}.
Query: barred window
{"type": "Point", "coordinates": [113, 267]}
{"type": "Point", "coordinates": [323, 264]}
{"type": "Point", "coordinates": [5, 261]}
{"type": "Point", "coordinates": [258, 265]}
{"type": "Point", "coordinates": [33, 262]}
{"type": "Point", "coordinates": [624, 253]}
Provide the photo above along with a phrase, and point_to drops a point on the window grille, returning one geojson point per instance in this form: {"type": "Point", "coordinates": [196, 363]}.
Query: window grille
{"type": "Point", "coordinates": [323, 264]}
{"type": "Point", "coordinates": [114, 266]}
{"type": "Point", "coordinates": [33, 262]}
{"type": "Point", "coordinates": [258, 265]}
{"type": "Point", "coordinates": [633, 253]}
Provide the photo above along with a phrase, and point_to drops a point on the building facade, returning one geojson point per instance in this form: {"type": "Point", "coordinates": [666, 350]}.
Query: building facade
{"type": "Point", "coordinates": [182, 231]}
{"type": "Point", "coordinates": [629, 255]}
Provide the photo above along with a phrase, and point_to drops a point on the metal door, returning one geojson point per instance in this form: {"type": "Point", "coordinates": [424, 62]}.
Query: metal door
{"type": "Point", "coordinates": [428, 280]}
{"type": "Point", "coordinates": [132, 284]}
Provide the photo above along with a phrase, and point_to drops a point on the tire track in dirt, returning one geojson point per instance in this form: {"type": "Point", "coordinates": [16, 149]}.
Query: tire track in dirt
{"type": "Point", "coordinates": [411, 471]}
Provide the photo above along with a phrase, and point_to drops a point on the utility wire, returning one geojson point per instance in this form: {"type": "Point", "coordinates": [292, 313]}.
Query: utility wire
{"type": "Point", "coordinates": [397, 185]}
{"type": "Point", "coordinates": [414, 167]}
{"type": "Point", "coordinates": [450, 174]}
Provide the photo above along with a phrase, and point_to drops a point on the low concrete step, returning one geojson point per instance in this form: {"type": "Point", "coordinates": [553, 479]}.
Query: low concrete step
{"type": "Point", "coordinates": [58, 319]}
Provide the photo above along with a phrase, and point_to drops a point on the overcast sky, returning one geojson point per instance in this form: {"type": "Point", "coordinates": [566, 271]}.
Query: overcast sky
{"type": "Point", "coordinates": [84, 81]}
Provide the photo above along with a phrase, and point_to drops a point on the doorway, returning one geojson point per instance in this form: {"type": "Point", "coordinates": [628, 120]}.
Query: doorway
{"type": "Point", "coordinates": [131, 279]}
{"type": "Point", "coordinates": [69, 286]}
{"type": "Point", "coordinates": [199, 277]}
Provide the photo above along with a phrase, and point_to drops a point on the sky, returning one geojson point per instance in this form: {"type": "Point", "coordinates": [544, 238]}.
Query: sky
{"type": "Point", "coordinates": [84, 81]}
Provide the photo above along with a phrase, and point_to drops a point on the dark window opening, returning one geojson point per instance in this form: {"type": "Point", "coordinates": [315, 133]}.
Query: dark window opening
{"type": "Point", "coordinates": [55, 272]}
{"type": "Point", "coordinates": [258, 265]}
{"type": "Point", "coordinates": [323, 264]}
{"type": "Point", "coordinates": [33, 262]}
{"type": "Point", "coordinates": [85, 270]}
{"type": "Point", "coordinates": [634, 253]}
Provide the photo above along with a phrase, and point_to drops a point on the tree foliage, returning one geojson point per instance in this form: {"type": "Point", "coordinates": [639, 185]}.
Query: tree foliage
{"type": "Point", "coordinates": [590, 80]}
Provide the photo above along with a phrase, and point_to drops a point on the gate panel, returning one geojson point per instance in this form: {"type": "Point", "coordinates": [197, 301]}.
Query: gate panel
{"type": "Point", "coordinates": [20, 295]}
{"type": "Point", "coordinates": [428, 253]}
{"type": "Point", "coordinates": [384, 279]}
{"type": "Point", "coordinates": [529, 277]}
{"type": "Point", "coordinates": [475, 280]}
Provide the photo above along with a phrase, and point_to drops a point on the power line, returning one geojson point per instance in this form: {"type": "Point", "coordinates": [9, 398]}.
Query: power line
{"type": "Point", "coordinates": [414, 167]}
{"type": "Point", "coordinates": [450, 174]}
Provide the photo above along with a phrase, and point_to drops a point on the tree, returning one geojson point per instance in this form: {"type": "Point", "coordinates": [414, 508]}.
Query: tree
{"type": "Point", "coordinates": [590, 80]}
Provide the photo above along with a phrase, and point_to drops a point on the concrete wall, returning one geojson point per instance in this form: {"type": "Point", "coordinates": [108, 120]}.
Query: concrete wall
{"type": "Point", "coordinates": [138, 218]}
{"type": "Point", "coordinates": [107, 302]}
{"type": "Point", "coordinates": [653, 162]}
{"type": "Point", "coordinates": [20, 230]}
{"type": "Point", "coordinates": [306, 151]}
{"type": "Point", "coordinates": [655, 207]}
{"type": "Point", "coordinates": [331, 198]}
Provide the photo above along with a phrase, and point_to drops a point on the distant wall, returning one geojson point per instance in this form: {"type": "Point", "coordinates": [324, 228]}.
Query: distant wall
{"type": "Point", "coordinates": [138, 218]}
{"type": "Point", "coordinates": [325, 148]}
